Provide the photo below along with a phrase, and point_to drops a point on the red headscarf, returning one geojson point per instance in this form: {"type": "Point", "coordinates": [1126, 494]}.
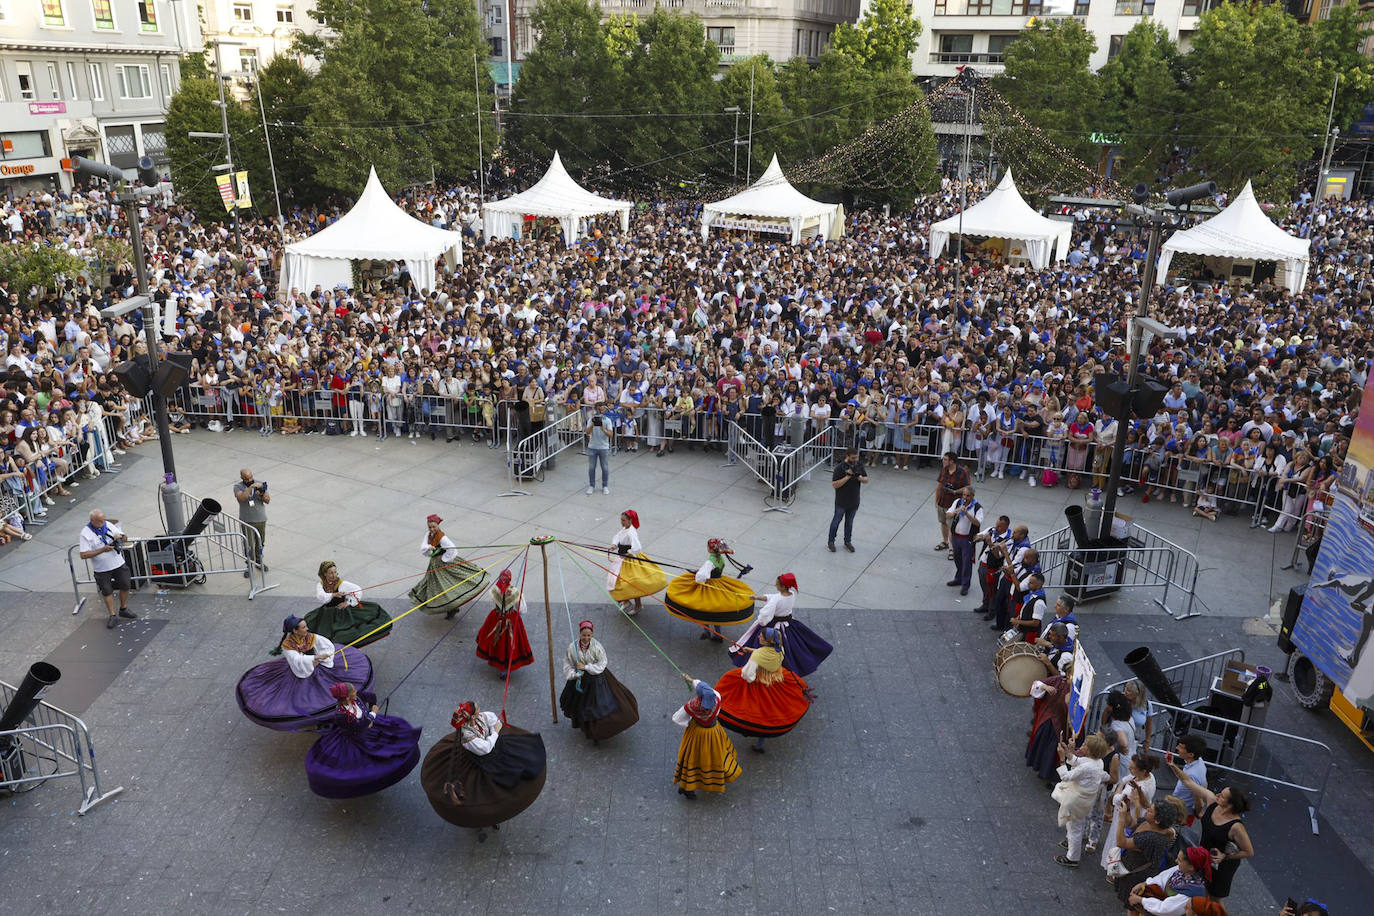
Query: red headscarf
{"type": "Point", "coordinates": [463, 714]}
{"type": "Point", "coordinates": [717, 545]}
{"type": "Point", "coordinates": [338, 691]}
{"type": "Point", "coordinates": [633, 516]}
{"type": "Point", "coordinates": [433, 518]}
{"type": "Point", "coordinates": [1200, 859]}
{"type": "Point", "coordinates": [503, 581]}
{"type": "Point", "coordinates": [787, 580]}
{"type": "Point", "coordinates": [587, 624]}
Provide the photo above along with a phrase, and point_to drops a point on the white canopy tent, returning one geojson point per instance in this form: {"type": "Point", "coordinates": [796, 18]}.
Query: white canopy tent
{"type": "Point", "coordinates": [1241, 231]}
{"type": "Point", "coordinates": [1003, 214]}
{"type": "Point", "coordinates": [771, 204]}
{"type": "Point", "coordinates": [375, 229]}
{"type": "Point", "coordinates": [555, 195]}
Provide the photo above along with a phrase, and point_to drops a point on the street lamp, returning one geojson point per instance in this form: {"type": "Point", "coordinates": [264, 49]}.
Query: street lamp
{"type": "Point", "coordinates": [142, 302]}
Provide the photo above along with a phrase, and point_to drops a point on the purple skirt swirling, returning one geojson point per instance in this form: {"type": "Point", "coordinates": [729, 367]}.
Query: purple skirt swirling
{"type": "Point", "coordinates": [274, 698]}
{"type": "Point", "coordinates": [351, 760]}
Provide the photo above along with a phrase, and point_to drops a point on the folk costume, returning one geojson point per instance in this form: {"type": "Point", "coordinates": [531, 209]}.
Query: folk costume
{"type": "Point", "coordinates": [502, 640]}
{"type": "Point", "coordinates": [360, 752]}
{"type": "Point", "coordinates": [763, 699]}
{"type": "Point", "coordinates": [709, 596]}
{"type": "Point", "coordinates": [630, 573]}
{"type": "Point", "coordinates": [592, 698]}
{"type": "Point", "coordinates": [343, 616]}
{"type": "Point", "coordinates": [705, 757]}
{"type": "Point", "coordinates": [483, 773]}
{"type": "Point", "coordinates": [291, 693]}
{"type": "Point", "coordinates": [1050, 715]}
{"type": "Point", "coordinates": [802, 648]}
{"type": "Point", "coordinates": [449, 582]}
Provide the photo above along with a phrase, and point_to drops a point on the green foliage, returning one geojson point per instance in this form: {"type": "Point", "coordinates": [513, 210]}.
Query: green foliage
{"type": "Point", "coordinates": [769, 115]}
{"type": "Point", "coordinates": [193, 108]}
{"type": "Point", "coordinates": [883, 39]}
{"type": "Point", "coordinates": [287, 89]}
{"type": "Point", "coordinates": [1140, 99]}
{"type": "Point", "coordinates": [1336, 43]}
{"type": "Point", "coordinates": [395, 91]}
{"type": "Point", "coordinates": [1048, 82]}
{"type": "Point", "coordinates": [1255, 97]}
{"type": "Point", "coordinates": [39, 267]}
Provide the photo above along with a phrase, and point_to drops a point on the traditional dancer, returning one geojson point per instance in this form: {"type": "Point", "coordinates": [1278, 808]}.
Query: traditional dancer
{"type": "Point", "coordinates": [705, 757]}
{"type": "Point", "coordinates": [361, 752]}
{"type": "Point", "coordinates": [592, 699]}
{"type": "Point", "coordinates": [502, 640]}
{"type": "Point", "coordinates": [763, 699]}
{"type": "Point", "coordinates": [449, 582]}
{"type": "Point", "coordinates": [802, 649]}
{"type": "Point", "coordinates": [343, 616]}
{"type": "Point", "coordinates": [709, 597]}
{"type": "Point", "coordinates": [631, 575]}
{"type": "Point", "coordinates": [292, 692]}
{"type": "Point", "coordinates": [1050, 718]}
{"type": "Point", "coordinates": [483, 773]}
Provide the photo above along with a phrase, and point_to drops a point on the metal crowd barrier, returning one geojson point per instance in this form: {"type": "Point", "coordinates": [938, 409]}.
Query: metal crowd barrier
{"type": "Point", "coordinates": [56, 738]}
{"type": "Point", "coordinates": [177, 561]}
{"type": "Point", "coordinates": [1191, 680]}
{"type": "Point", "coordinates": [1310, 533]}
{"type": "Point", "coordinates": [1146, 560]}
{"type": "Point", "coordinates": [99, 457]}
{"type": "Point", "coordinates": [531, 456]}
{"type": "Point", "coordinates": [793, 465]}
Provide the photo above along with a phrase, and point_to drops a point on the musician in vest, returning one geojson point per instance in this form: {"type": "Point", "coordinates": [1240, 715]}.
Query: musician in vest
{"type": "Point", "coordinates": [1009, 574]}
{"type": "Point", "coordinates": [1030, 616]}
{"type": "Point", "coordinates": [995, 543]}
{"type": "Point", "coordinates": [1020, 573]}
{"type": "Point", "coordinates": [102, 543]}
{"type": "Point", "coordinates": [965, 521]}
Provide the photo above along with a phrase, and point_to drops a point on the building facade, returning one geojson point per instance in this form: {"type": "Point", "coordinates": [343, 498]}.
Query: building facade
{"type": "Point", "coordinates": [86, 78]}
{"type": "Point", "coordinates": [256, 31]}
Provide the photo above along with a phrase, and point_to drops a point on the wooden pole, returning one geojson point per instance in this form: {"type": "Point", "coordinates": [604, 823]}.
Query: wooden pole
{"type": "Point", "coordinates": [543, 543]}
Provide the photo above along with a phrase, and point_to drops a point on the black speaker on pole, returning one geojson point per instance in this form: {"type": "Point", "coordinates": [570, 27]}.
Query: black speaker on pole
{"type": "Point", "coordinates": [172, 372]}
{"type": "Point", "coordinates": [1112, 395]}
{"type": "Point", "coordinates": [133, 374]}
{"type": "Point", "coordinates": [1148, 396]}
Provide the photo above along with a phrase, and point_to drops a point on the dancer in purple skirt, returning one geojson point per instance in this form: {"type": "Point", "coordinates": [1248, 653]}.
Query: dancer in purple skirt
{"type": "Point", "coordinates": [361, 752]}
{"type": "Point", "coordinates": [803, 649]}
{"type": "Point", "coordinates": [291, 693]}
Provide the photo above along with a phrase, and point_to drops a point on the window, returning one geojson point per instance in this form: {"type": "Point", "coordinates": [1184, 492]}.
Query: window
{"type": "Point", "coordinates": [72, 94]}
{"type": "Point", "coordinates": [54, 84]}
{"type": "Point", "coordinates": [497, 45]}
{"type": "Point", "coordinates": [1080, 7]}
{"type": "Point", "coordinates": [1135, 7]}
{"type": "Point", "coordinates": [723, 37]}
{"type": "Point", "coordinates": [956, 44]}
{"type": "Point", "coordinates": [1198, 7]}
{"type": "Point", "coordinates": [133, 82]}
{"type": "Point", "coordinates": [103, 10]}
{"type": "Point", "coordinates": [24, 70]}
{"type": "Point", "coordinates": [285, 15]}
{"type": "Point", "coordinates": [96, 73]}
{"type": "Point", "coordinates": [1114, 46]}
{"type": "Point", "coordinates": [54, 14]}
{"type": "Point", "coordinates": [941, 7]}
{"type": "Point", "coordinates": [165, 72]}
{"type": "Point", "coordinates": [147, 15]}
{"type": "Point", "coordinates": [998, 44]}
{"type": "Point", "coordinates": [243, 12]}
{"type": "Point", "coordinates": [248, 60]}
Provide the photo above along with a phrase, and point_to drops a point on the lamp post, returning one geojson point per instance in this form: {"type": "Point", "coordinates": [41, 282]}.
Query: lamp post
{"type": "Point", "coordinates": [143, 303]}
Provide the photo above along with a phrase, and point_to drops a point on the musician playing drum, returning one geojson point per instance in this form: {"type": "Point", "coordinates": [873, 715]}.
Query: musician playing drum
{"type": "Point", "coordinates": [1033, 605]}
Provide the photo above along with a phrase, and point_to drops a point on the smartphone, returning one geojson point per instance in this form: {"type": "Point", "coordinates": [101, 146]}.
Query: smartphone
{"type": "Point", "coordinates": [1291, 906]}
{"type": "Point", "coordinates": [1168, 756]}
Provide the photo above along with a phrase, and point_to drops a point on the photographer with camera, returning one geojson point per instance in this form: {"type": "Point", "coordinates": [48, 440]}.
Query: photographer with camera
{"type": "Point", "coordinates": [102, 542]}
{"type": "Point", "coordinates": [848, 477]}
{"type": "Point", "coordinates": [253, 498]}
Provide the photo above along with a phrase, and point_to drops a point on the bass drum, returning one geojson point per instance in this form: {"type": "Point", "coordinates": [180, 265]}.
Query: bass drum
{"type": "Point", "coordinates": [1019, 665]}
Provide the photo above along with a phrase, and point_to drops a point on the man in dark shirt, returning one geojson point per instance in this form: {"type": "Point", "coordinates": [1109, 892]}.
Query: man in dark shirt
{"type": "Point", "coordinates": [846, 480]}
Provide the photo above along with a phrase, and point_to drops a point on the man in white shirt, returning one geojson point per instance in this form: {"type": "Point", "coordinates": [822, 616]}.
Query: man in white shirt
{"type": "Point", "coordinates": [965, 521]}
{"type": "Point", "coordinates": [101, 544]}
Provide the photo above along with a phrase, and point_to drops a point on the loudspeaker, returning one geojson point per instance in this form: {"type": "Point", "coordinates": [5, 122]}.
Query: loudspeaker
{"type": "Point", "coordinates": [134, 376]}
{"type": "Point", "coordinates": [172, 372]}
{"type": "Point", "coordinates": [1112, 395]}
{"type": "Point", "coordinates": [1292, 607]}
{"type": "Point", "coordinates": [1148, 397]}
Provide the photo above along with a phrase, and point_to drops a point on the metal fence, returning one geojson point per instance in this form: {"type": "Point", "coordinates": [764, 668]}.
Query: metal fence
{"type": "Point", "coordinates": [57, 745]}
{"type": "Point", "coordinates": [177, 561]}
{"type": "Point", "coordinates": [794, 465]}
{"type": "Point", "coordinates": [531, 456]}
{"type": "Point", "coordinates": [1145, 561]}
{"type": "Point", "coordinates": [66, 463]}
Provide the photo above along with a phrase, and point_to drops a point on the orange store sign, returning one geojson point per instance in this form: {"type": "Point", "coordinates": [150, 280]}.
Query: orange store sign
{"type": "Point", "coordinates": [13, 170]}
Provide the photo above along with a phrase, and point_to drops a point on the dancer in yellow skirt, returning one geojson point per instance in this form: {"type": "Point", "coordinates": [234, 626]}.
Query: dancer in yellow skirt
{"type": "Point", "coordinates": [631, 576]}
{"type": "Point", "coordinates": [705, 758]}
{"type": "Point", "coordinates": [709, 597]}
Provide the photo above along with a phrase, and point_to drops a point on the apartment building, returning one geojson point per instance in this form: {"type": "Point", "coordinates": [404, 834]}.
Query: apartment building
{"type": "Point", "coordinates": [86, 78]}
{"type": "Point", "coordinates": [256, 31]}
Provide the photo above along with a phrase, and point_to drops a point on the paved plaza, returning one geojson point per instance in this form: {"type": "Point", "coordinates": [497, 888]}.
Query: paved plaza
{"type": "Point", "coordinates": [902, 791]}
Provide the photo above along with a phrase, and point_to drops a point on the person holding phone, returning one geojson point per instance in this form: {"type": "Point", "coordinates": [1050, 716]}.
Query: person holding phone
{"type": "Point", "coordinates": [846, 480]}
{"type": "Point", "coordinates": [102, 542]}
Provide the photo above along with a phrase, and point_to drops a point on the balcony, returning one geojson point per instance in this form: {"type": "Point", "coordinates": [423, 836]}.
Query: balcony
{"type": "Point", "coordinates": [966, 57]}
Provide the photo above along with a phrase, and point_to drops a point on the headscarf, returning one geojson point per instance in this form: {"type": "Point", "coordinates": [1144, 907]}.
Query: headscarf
{"type": "Point", "coordinates": [706, 696]}
{"type": "Point", "coordinates": [1206, 906]}
{"type": "Point", "coordinates": [503, 581]}
{"type": "Point", "coordinates": [771, 634]}
{"type": "Point", "coordinates": [324, 567]}
{"type": "Point", "coordinates": [1200, 859]}
{"type": "Point", "coordinates": [718, 545]}
{"type": "Point", "coordinates": [291, 640]}
{"type": "Point", "coordinates": [433, 518]}
{"type": "Point", "coordinates": [463, 714]}
{"type": "Point", "coordinates": [588, 624]}
{"type": "Point", "coordinates": [787, 580]}
{"type": "Point", "coordinates": [338, 691]}
{"type": "Point", "coordinates": [633, 516]}
{"type": "Point", "coordinates": [289, 624]}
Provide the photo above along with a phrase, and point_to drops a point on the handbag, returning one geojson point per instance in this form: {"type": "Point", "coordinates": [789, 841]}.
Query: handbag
{"type": "Point", "coordinates": [1049, 477]}
{"type": "Point", "coordinates": [1115, 869]}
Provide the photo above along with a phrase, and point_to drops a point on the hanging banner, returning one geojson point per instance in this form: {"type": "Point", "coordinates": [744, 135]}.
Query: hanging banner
{"type": "Point", "coordinates": [245, 199]}
{"type": "Point", "coordinates": [226, 190]}
{"type": "Point", "coordinates": [1081, 687]}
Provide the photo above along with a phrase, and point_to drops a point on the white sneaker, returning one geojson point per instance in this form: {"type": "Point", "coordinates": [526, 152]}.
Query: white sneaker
{"type": "Point", "coordinates": [605, 491]}
{"type": "Point", "coordinates": [1032, 481]}
{"type": "Point", "coordinates": [590, 491]}
{"type": "Point", "coordinates": [49, 500]}
{"type": "Point", "coordinates": [352, 432]}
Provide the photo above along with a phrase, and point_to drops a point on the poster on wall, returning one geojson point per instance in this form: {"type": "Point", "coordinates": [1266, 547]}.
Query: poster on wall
{"type": "Point", "coordinates": [1337, 618]}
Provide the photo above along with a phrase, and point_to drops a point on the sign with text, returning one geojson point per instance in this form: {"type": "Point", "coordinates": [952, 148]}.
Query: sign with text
{"type": "Point", "coordinates": [45, 108]}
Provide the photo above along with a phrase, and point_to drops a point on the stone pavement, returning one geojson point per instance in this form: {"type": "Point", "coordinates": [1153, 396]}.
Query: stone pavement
{"type": "Point", "coordinates": [903, 791]}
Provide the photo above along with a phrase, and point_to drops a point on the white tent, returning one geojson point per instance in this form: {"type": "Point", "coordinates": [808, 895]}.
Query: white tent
{"type": "Point", "coordinates": [1241, 231]}
{"type": "Point", "coordinates": [555, 195]}
{"type": "Point", "coordinates": [375, 229]}
{"type": "Point", "coordinates": [771, 204]}
{"type": "Point", "coordinates": [1003, 214]}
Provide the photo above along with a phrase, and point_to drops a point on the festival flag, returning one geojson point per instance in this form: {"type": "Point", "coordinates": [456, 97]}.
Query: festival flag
{"type": "Point", "coordinates": [226, 190]}
{"type": "Point", "coordinates": [245, 199]}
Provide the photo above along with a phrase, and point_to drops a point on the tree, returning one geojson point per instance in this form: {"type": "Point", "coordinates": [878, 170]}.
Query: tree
{"type": "Point", "coordinates": [883, 39]}
{"type": "Point", "coordinates": [37, 267]}
{"type": "Point", "coordinates": [193, 107]}
{"type": "Point", "coordinates": [564, 77]}
{"type": "Point", "coordinates": [769, 115]}
{"type": "Point", "coordinates": [1336, 42]}
{"type": "Point", "coordinates": [395, 91]}
{"type": "Point", "coordinates": [1048, 82]}
{"type": "Point", "coordinates": [1140, 96]}
{"type": "Point", "coordinates": [287, 88]}
{"type": "Point", "coordinates": [1255, 97]}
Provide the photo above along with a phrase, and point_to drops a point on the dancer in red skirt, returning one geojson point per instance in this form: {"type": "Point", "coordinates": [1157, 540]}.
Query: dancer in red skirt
{"type": "Point", "coordinates": [763, 699]}
{"type": "Point", "coordinates": [502, 640]}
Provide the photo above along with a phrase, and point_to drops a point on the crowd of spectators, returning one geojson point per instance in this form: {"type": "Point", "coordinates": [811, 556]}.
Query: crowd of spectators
{"type": "Point", "coordinates": [866, 337]}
